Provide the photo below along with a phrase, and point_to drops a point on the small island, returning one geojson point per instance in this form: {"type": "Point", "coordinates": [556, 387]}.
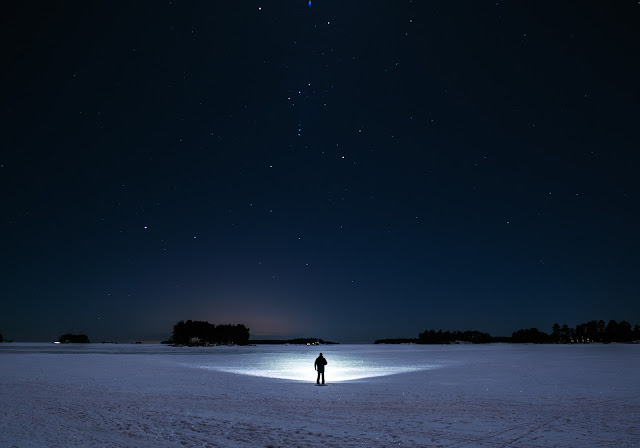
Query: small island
{"type": "Point", "coordinates": [74, 339]}
{"type": "Point", "coordinates": [202, 333]}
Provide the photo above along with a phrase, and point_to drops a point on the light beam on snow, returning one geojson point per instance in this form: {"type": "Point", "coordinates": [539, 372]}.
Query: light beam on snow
{"type": "Point", "coordinates": [299, 367]}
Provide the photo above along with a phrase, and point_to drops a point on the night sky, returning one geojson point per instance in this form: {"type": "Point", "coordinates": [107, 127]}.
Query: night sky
{"type": "Point", "coordinates": [347, 170]}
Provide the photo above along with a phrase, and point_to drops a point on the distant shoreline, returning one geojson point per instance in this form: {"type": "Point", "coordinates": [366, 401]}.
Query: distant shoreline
{"type": "Point", "coordinates": [298, 341]}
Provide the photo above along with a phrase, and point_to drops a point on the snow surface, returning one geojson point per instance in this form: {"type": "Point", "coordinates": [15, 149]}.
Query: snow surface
{"type": "Point", "coordinates": [376, 396]}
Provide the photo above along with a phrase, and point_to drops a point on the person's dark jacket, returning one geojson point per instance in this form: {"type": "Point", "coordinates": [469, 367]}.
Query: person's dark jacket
{"type": "Point", "coordinates": [320, 363]}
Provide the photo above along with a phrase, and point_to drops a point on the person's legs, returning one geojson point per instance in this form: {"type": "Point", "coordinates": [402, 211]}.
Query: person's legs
{"type": "Point", "coordinates": [323, 377]}
{"type": "Point", "coordinates": [318, 380]}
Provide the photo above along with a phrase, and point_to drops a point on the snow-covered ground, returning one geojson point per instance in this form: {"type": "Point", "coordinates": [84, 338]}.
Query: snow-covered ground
{"type": "Point", "coordinates": [376, 396]}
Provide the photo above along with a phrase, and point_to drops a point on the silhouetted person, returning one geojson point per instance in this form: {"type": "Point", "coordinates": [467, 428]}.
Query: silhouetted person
{"type": "Point", "coordinates": [319, 366]}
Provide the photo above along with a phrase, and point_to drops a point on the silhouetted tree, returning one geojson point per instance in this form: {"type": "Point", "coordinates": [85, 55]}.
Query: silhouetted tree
{"type": "Point", "coordinates": [588, 332]}
{"type": "Point", "coordinates": [531, 335]}
{"type": "Point", "coordinates": [204, 333]}
{"type": "Point", "coordinates": [555, 333]}
{"type": "Point", "coordinates": [74, 339]}
{"type": "Point", "coordinates": [562, 335]}
{"type": "Point", "coordinates": [601, 326]}
{"type": "Point", "coordinates": [567, 334]}
{"type": "Point", "coordinates": [624, 333]}
{"type": "Point", "coordinates": [618, 332]}
{"type": "Point", "coordinates": [397, 341]}
{"type": "Point", "coordinates": [448, 337]}
{"type": "Point", "coordinates": [592, 331]}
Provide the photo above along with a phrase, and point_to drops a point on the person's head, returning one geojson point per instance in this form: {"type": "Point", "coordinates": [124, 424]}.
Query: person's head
{"type": "Point", "coordinates": [320, 354]}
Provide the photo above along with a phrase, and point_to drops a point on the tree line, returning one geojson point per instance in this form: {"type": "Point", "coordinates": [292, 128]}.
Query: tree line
{"type": "Point", "coordinates": [592, 331]}
{"type": "Point", "coordinates": [444, 337]}
{"type": "Point", "coordinates": [204, 333]}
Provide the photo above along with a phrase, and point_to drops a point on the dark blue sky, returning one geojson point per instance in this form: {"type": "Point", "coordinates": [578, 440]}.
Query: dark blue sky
{"type": "Point", "coordinates": [349, 170]}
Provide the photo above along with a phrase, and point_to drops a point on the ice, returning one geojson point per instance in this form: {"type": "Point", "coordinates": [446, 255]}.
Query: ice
{"type": "Point", "coordinates": [493, 395]}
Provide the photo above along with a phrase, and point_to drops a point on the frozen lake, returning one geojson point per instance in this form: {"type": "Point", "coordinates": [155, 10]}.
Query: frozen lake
{"type": "Point", "coordinates": [376, 396]}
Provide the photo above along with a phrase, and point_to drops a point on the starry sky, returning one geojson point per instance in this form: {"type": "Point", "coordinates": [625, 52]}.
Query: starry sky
{"type": "Point", "coordinates": [349, 170]}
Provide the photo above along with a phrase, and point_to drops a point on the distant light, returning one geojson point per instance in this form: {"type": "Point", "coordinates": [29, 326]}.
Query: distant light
{"type": "Point", "coordinates": [309, 3]}
{"type": "Point", "coordinates": [56, 342]}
